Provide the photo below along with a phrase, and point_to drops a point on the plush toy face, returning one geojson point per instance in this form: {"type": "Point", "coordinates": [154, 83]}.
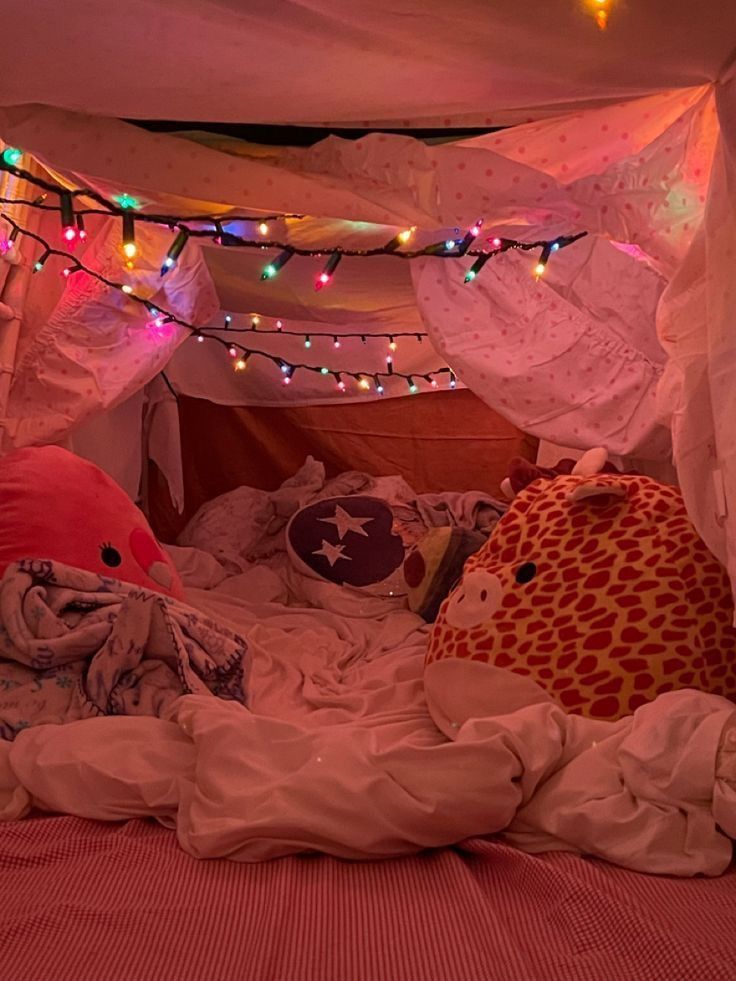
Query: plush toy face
{"type": "Point", "coordinates": [600, 591]}
{"type": "Point", "coordinates": [54, 505]}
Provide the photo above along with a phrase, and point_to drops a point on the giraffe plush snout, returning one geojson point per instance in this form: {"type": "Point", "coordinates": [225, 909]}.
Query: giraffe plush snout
{"type": "Point", "coordinates": [475, 601]}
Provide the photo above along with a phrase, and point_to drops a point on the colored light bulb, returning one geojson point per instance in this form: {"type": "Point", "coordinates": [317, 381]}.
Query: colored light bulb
{"type": "Point", "coordinates": [307, 342]}
{"type": "Point", "coordinates": [450, 244]}
{"type": "Point", "coordinates": [274, 267]}
{"type": "Point", "coordinates": [324, 371]}
{"type": "Point", "coordinates": [341, 385]}
{"type": "Point", "coordinates": [263, 228]}
{"type": "Point", "coordinates": [200, 338]}
{"type": "Point", "coordinates": [496, 243]}
{"type": "Point", "coordinates": [364, 384]}
{"type": "Point", "coordinates": [12, 156]}
{"type": "Point", "coordinates": [255, 321]}
{"type": "Point", "coordinates": [433, 383]}
{"type": "Point", "coordinates": [130, 249]}
{"type": "Point", "coordinates": [240, 364]}
{"type": "Point", "coordinates": [400, 239]}
{"type": "Point", "coordinates": [175, 250]}
{"type": "Point", "coordinates": [279, 325]}
{"type": "Point", "coordinates": [453, 380]}
{"type": "Point", "coordinates": [126, 201]}
{"type": "Point", "coordinates": [392, 345]}
{"type": "Point", "coordinates": [476, 267]}
{"type": "Point", "coordinates": [233, 352]}
{"type": "Point", "coordinates": [412, 386]}
{"type": "Point", "coordinates": [127, 289]}
{"type": "Point", "coordinates": [335, 342]}
{"type": "Point", "coordinates": [326, 275]}
{"type": "Point", "coordinates": [228, 320]}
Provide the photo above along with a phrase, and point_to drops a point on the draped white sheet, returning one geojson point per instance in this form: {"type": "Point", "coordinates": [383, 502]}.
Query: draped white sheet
{"type": "Point", "coordinates": [369, 62]}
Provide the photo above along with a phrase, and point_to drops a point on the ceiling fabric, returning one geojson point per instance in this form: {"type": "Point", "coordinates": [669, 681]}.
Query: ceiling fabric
{"type": "Point", "coordinates": [377, 63]}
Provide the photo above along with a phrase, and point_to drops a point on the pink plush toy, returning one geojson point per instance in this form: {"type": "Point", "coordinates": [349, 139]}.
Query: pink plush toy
{"type": "Point", "coordinates": [55, 505]}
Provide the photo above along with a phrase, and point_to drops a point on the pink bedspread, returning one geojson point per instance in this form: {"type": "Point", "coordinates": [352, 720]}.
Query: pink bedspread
{"type": "Point", "coordinates": [80, 901]}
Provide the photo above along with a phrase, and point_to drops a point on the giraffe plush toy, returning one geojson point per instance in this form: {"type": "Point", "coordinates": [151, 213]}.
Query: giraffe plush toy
{"type": "Point", "coordinates": [594, 590]}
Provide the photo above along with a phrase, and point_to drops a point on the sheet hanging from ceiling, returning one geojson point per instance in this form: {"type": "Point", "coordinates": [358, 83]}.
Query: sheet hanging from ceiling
{"type": "Point", "coordinates": [697, 326]}
{"type": "Point", "coordinates": [379, 63]}
{"type": "Point", "coordinates": [573, 358]}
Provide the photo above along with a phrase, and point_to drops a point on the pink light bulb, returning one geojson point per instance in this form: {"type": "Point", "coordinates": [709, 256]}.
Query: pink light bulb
{"type": "Point", "coordinates": [286, 380]}
{"type": "Point", "coordinates": [233, 352]}
{"type": "Point", "coordinates": [279, 325]}
{"type": "Point", "coordinates": [336, 343]}
{"type": "Point", "coordinates": [200, 338]}
{"type": "Point", "coordinates": [496, 243]}
{"type": "Point", "coordinates": [70, 233]}
{"type": "Point", "coordinates": [341, 386]}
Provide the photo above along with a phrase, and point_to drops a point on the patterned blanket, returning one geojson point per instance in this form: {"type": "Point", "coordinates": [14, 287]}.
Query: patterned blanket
{"type": "Point", "coordinates": [75, 645]}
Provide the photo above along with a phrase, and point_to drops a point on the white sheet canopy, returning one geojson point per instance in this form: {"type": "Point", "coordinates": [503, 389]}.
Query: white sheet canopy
{"type": "Point", "coordinates": [628, 341]}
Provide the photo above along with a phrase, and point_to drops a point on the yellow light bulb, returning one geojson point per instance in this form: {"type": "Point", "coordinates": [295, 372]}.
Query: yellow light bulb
{"type": "Point", "coordinates": [263, 228]}
{"type": "Point", "coordinates": [539, 269]}
{"type": "Point", "coordinates": [392, 346]}
{"type": "Point", "coordinates": [127, 289]}
{"type": "Point", "coordinates": [130, 250]}
{"type": "Point", "coordinates": [239, 365]}
{"type": "Point", "coordinates": [255, 320]}
{"type": "Point", "coordinates": [364, 383]}
{"type": "Point", "coordinates": [406, 234]}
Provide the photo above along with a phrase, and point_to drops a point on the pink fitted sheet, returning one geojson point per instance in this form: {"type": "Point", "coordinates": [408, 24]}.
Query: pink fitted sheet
{"type": "Point", "coordinates": [85, 900]}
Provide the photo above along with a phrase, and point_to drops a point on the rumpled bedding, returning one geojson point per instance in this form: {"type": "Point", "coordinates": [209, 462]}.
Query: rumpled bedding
{"type": "Point", "coordinates": [332, 747]}
{"type": "Point", "coordinates": [244, 530]}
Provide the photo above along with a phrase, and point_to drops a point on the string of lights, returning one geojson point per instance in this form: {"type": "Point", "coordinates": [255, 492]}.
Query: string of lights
{"type": "Point", "coordinates": [256, 328]}
{"type": "Point", "coordinates": [455, 246]}
{"type": "Point", "coordinates": [161, 319]}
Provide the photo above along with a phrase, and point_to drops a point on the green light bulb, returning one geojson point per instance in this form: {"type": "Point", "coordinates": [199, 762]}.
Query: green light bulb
{"type": "Point", "coordinates": [12, 155]}
{"type": "Point", "coordinates": [126, 201]}
{"type": "Point", "coordinates": [270, 271]}
{"type": "Point", "coordinates": [324, 371]}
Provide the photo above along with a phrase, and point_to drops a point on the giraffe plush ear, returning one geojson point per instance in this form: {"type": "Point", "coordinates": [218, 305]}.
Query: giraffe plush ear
{"type": "Point", "coordinates": [592, 488]}
{"type": "Point", "coordinates": [591, 462]}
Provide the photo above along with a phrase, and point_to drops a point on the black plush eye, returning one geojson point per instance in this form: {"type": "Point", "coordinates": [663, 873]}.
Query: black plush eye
{"type": "Point", "coordinates": [110, 556]}
{"type": "Point", "coordinates": [526, 572]}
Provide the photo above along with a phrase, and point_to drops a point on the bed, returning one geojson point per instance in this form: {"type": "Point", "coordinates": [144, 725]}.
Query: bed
{"type": "Point", "coordinates": [126, 899]}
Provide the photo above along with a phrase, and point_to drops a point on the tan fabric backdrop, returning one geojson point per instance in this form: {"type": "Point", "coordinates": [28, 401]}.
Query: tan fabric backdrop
{"type": "Point", "coordinates": [443, 441]}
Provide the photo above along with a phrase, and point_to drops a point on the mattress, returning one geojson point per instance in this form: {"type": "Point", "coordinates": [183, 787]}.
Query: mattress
{"type": "Point", "coordinates": [86, 900]}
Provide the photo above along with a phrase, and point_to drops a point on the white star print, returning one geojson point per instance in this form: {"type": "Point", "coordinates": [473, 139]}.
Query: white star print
{"type": "Point", "coordinates": [346, 522]}
{"type": "Point", "coordinates": [333, 553]}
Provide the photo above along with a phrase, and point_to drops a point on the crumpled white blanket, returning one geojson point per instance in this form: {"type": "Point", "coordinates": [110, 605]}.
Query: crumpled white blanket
{"type": "Point", "coordinates": [337, 753]}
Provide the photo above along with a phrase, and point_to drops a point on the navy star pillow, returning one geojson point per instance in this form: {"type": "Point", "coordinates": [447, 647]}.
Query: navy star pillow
{"type": "Point", "coordinates": [345, 540]}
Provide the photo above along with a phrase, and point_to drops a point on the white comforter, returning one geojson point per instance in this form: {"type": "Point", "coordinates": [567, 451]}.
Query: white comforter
{"type": "Point", "coordinates": [338, 753]}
